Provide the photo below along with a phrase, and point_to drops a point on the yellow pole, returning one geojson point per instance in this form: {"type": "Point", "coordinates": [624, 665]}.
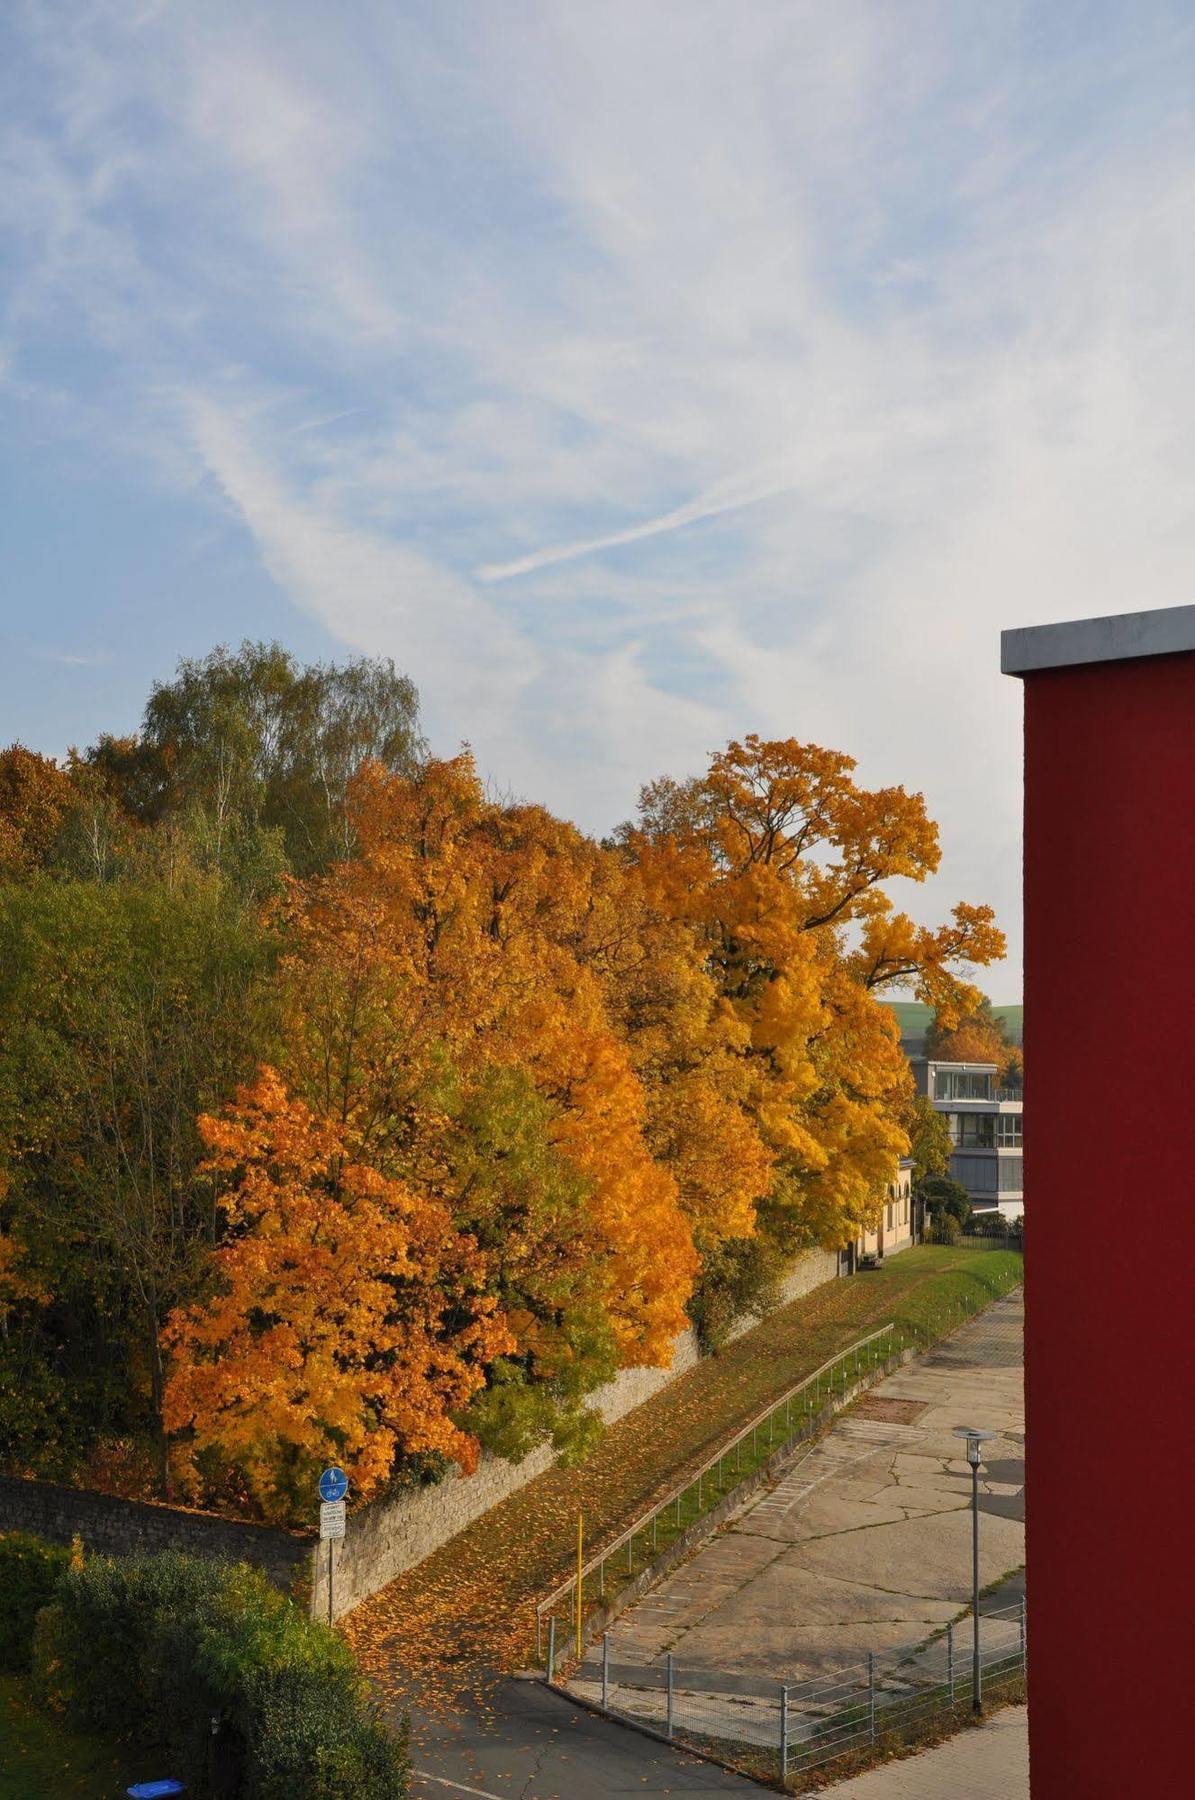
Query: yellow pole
{"type": "Point", "coordinates": [580, 1556]}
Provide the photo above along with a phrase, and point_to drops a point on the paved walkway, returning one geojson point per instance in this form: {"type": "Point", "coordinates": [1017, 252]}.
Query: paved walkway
{"type": "Point", "coordinates": [865, 1543]}
{"type": "Point", "coordinates": [989, 1763]}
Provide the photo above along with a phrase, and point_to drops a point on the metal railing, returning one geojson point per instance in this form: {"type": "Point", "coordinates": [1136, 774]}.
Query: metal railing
{"type": "Point", "coordinates": [787, 1420]}
{"type": "Point", "coordinates": [776, 1728]}
{"type": "Point", "coordinates": [654, 1531]}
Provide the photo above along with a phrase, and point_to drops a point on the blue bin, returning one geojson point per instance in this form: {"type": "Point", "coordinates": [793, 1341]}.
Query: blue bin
{"type": "Point", "coordinates": [154, 1790]}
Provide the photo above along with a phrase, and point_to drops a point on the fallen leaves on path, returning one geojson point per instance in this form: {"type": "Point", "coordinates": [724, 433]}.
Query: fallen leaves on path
{"type": "Point", "coordinates": [466, 1614]}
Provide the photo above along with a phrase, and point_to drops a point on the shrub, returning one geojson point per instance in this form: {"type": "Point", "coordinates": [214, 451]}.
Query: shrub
{"type": "Point", "coordinates": [29, 1573]}
{"type": "Point", "coordinates": [740, 1279]}
{"type": "Point", "coordinates": [164, 1644]}
{"type": "Point", "coordinates": [946, 1229]}
{"type": "Point", "coordinates": [943, 1194]}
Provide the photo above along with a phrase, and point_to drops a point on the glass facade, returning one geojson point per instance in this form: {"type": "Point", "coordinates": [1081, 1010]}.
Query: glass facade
{"type": "Point", "coordinates": [972, 1131]}
{"type": "Point", "coordinates": [962, 1084]}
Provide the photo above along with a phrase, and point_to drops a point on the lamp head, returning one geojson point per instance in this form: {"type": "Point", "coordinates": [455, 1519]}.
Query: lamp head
{"type": "Point", "coordinates": [975, 1442]}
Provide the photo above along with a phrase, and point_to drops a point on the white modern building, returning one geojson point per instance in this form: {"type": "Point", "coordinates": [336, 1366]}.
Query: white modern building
{"type": "Point", "coordinates": [986, 1130]}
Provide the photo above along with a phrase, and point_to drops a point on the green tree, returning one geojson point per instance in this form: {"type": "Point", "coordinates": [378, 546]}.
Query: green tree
{"type": "Point", "coordinates": [253, 736]}
{"type": "Point", "coordinates": [943, 1195]}
{"type": "Point", "coordinates": [126, 1009]}
{"type": "Point", "coordinates": [929, 1140]}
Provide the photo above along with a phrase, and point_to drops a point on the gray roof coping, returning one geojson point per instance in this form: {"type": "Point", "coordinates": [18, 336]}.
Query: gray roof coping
{"type": "Point", "coordinates": [1166, 631]}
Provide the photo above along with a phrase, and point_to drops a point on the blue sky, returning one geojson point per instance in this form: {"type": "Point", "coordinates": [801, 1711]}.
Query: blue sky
{"type": "Point", "coordinates": [636, 375]}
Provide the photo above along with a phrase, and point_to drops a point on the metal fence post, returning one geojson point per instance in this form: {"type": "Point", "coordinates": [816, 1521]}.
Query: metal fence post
{"type": "Point", "coordinates": [784, 1734]}
{"type": "Point", "coordinates": [1024, 1641]}
{"type": "Point", "coordinates": [551, 1649]}
{"type": "Point", "coordinates": [605, 1669]}
{"type": "Point", "coordinates": [670, 1689]}
{"type": "Point", "coordinates": [871, 1693]}
{"type": "Point", "coordinates": [950, 1659]}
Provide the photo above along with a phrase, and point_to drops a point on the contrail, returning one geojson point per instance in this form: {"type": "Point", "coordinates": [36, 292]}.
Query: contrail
{"type": "Point", "coordinates": [706, 506]}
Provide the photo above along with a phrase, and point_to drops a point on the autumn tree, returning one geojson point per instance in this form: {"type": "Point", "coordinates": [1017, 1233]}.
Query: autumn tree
{"type": "Point", "coordinates": [35, 797]}
{"type": "Point", "coordinates": [978, 1035]}
{"type": "Point", "coordinates": [782, 861]}
{"type": "Point", "coordinates": [425, 973]}
{"type": "Point", "coordinates": [348, 1318]}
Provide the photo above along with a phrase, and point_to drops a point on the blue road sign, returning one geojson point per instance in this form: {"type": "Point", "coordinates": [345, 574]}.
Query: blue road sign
{"type": "Point", "coordinates": [333, 1484]}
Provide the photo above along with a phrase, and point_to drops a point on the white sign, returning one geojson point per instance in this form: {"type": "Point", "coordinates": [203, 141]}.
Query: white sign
{"type": "Point", "coordinates": [331, 1519]}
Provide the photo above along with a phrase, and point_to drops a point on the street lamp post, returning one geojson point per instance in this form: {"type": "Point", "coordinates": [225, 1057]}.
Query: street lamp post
{"type": "Point", "coordinates": [975, 1441]}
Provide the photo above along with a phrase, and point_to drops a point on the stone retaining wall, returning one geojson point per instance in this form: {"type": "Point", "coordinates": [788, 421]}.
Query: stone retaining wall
{"type": "Point", "coordinates": [117, 1527]}
{"type": "Point", "coordinates": [393, 1535]}
{"type": "Point", "coordinates": [383, 1539]}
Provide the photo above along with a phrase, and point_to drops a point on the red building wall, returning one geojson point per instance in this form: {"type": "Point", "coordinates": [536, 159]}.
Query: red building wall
{"type": "Point", "coordinates": [1110, 1210]}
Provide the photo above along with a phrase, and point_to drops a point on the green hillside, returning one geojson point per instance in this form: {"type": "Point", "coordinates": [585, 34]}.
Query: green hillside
{"type": "Point", "coordinates": [914, 1019]}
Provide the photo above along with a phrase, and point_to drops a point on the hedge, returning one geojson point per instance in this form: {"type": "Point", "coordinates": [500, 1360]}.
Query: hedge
{"type": "Point", "coordinates": [29, 1573]}
{"type": "Point", "coordinates": [243, 1692]}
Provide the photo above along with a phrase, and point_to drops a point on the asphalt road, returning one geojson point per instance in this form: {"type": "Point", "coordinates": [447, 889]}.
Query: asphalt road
{"type": "Point", "coordinates": [535, 1745]}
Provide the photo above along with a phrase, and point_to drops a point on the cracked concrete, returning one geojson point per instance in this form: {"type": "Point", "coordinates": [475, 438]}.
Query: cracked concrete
{"type": "Point", "coordinates": [865, 1542]}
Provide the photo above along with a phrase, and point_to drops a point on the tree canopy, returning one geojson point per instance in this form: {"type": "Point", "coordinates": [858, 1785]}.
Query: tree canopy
{"type": "Point", "coordinates": [349, 1112]}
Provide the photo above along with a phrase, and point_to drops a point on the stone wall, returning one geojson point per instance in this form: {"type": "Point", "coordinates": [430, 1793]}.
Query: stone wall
{"type": "Point", "coordinates": [115, 1527]}
{"type": "Point", "coordinates": [383, 1539]}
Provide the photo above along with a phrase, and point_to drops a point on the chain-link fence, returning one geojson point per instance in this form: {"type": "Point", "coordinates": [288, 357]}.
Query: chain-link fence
{"type": "Point", "coordinates": [786, 1729]}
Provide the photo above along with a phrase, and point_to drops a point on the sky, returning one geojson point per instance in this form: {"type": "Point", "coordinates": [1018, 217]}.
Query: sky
{"type": "Point", "coordinates": [635, 375]}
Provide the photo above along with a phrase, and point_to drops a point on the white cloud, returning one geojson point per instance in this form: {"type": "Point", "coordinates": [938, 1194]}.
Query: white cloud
{"type": "Point", "coordinates": [762, 362]}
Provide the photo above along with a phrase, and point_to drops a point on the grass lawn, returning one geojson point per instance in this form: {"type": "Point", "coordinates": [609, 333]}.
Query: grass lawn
{"type": "Point", "coordinates": [39, 1758]}
{"type": "Point", "coordinates": [472, 1602]}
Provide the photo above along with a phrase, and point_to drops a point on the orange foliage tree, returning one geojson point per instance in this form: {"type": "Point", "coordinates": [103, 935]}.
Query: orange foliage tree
{"type": "Point", "coordinates": [447, 949]}
{"type": "Point", "coordinates": [780, 859]}
{"type": "Point", "coordinates": [347, 1315]}
{"type": "Point", "coordinates": [600, 1066]}
{"type": "Point", "coordinates": [35, 797]}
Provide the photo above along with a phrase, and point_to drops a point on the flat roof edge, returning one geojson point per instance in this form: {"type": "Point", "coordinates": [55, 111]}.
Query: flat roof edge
{"type": "Point", "coordinates": [1166, 631]}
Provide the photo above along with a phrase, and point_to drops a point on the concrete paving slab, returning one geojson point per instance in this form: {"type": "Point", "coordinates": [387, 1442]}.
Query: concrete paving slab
{"type": "Point", "coordinates": [864, 1542]}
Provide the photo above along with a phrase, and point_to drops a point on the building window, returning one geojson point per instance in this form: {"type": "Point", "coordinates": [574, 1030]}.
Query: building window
{"type": "Point", "coordinates": [1009, 1131]}
{"type": "Point", "coordinates": [1011, 1179]}
{"type": "Point", "coordinates": [972, 1131]}
{"type": "Point", "coordinates": [961, 1084]}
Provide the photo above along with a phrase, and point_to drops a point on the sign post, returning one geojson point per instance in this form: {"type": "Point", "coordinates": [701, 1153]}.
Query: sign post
{"type": "Point", "coordinates": [333, 1486]}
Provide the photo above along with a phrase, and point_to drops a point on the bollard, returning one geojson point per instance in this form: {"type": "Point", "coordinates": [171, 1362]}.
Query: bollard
{"type": "Point", "coordinates": [605, 1669]}
{"type": "Point", "coordinates": [784, 1734]}
{"type": "Point", "coordinates": [670, 1693]}
{"type": "Point", "coordinates": [551, 1649]}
